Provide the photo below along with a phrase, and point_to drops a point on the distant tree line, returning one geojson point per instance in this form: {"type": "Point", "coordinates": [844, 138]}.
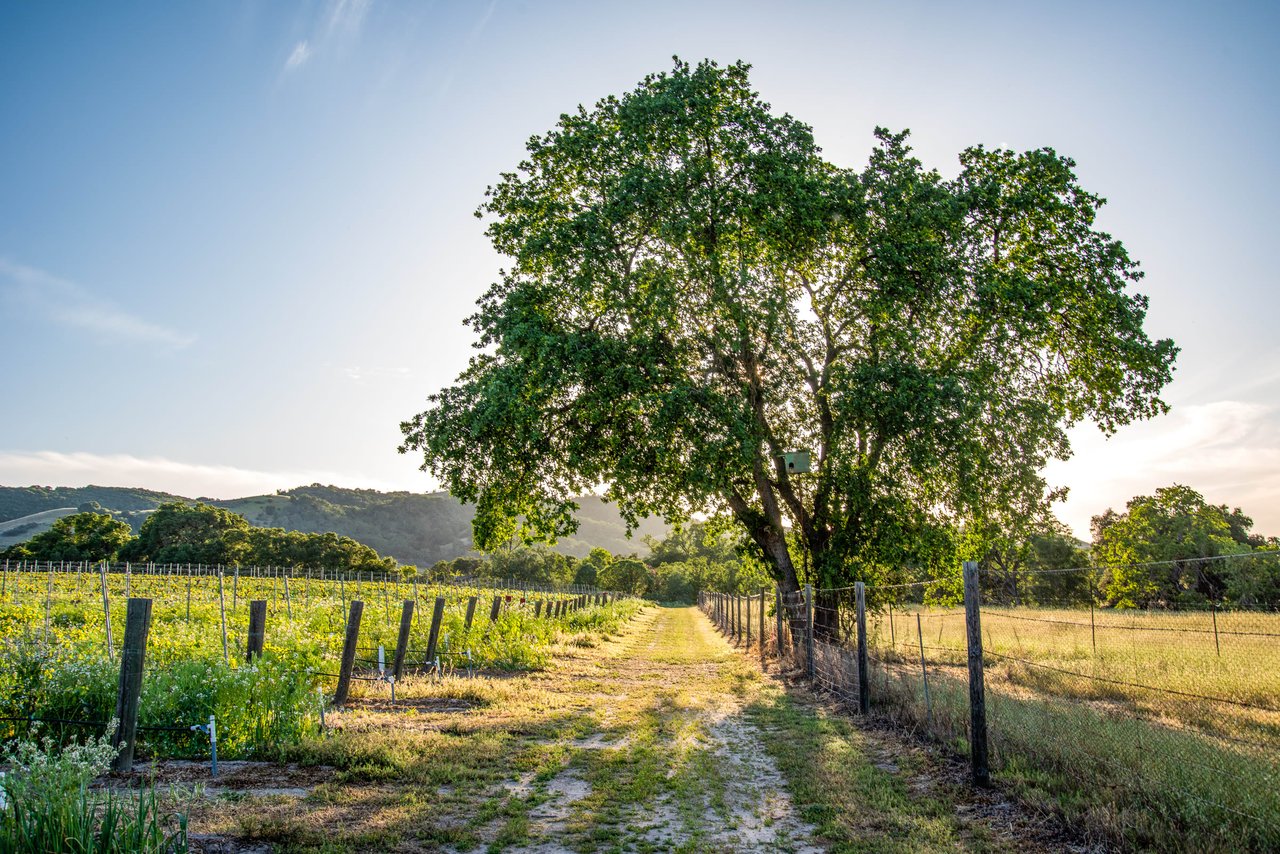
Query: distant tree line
{"type": "Point", "coordinates": [694, 558]}
{"type": "Point", "coordinates": [1171, 549]}
{"type": "Point", "coordinates": [1168, 550]}
{"type": "Point", "coordinates": [177, 532]}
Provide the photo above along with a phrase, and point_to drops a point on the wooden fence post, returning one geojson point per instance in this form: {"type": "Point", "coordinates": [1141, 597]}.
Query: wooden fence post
{"type": "Point", "coordinates": [133, 655]}
{"type": "Point", "coordinates": [436, 616]}
{"type": "Point", "coordinates": [471, 612]}
{"type": "Point", "coordinates": [864, 685]}
{"type": "Point", "coordinates": [257, 628]}
{"type": "Point", "coordinates": [348, 653]}
{"type": "Point", "coordinates": [497, 607]}
{"type": "Point", "coordinates": [808, 623]}
{"type": "Point", "coordinates": [977, 692]}
{"type": "Point", "coordinates": [402, 641]}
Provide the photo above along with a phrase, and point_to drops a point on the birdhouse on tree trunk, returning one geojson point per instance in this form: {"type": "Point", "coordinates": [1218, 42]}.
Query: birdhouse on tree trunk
{"type": "Point", "coordinates": [796, 462]}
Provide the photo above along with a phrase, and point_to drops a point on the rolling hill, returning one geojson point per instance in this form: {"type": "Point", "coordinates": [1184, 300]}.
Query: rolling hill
{"type": "Point", "coordinates": [415, 528]}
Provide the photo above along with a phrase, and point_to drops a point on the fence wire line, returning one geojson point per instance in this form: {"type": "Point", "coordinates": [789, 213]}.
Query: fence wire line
{"type": "Point", "coordinates": [1241, 703]}
{"type": "Point", "coordinates": [1132, 628]}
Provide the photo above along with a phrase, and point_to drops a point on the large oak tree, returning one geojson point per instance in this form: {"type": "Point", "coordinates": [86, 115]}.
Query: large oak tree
{"type": "Point", "coordinates": [693, 291]}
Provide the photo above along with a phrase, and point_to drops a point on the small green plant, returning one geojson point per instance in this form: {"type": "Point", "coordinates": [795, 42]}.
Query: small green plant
{"type": "Point", "coordinates": [46, 804]}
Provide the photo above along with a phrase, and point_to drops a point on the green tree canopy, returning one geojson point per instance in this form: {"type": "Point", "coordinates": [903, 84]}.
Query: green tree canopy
{"type": "Point", "coordinates": [191, 533]}
{"type": "Point", "coordinates": [625, 575]}
{"type": "Point", "coordinates": [693, 290]}
{"type": "Point", "coordinates": [199, 533]}
{"type": "Point", "coordinates": [82, 536]}
{"type": "Point", "coordinates": [536, 565]}
{"type": "Point", "coordinates": [1176, 530]}
{"type": "Point", "coordinates": [588, 570]}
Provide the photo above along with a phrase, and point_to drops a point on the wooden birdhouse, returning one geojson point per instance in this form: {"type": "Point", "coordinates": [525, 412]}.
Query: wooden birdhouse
{"type": "Point", "coordinates": [796, 462]}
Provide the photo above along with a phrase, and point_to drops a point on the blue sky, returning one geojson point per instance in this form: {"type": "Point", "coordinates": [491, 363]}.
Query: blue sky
{"type": "Point", "coordinates": [237, 242]}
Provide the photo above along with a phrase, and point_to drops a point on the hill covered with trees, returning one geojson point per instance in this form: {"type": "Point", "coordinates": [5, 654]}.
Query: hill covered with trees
{"type": "Point", "coordinates": [414, 528]}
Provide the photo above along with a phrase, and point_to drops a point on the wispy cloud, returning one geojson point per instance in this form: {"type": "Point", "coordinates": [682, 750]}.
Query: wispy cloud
{"type": "Point", "coordinates": [482, 23]}
{"type": "Point", "coordinates": [346, 17]}
{"type": "Point", "coordinates": [301, 53]}
{"type": "Point", "coordinates": [339, 24]}
{"type": "Point", "coordinates": [71, 305]}
{"type": "Point", "coordinates": [54, 468]}
{"type": "Point", "coordinates": [1228, 450]}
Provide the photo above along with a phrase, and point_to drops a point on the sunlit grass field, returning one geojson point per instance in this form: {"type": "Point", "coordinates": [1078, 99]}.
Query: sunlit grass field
{"type": "Point", "coordinates": [55, 663]}
{"type": "Point", "coordinates": [1151, 727]}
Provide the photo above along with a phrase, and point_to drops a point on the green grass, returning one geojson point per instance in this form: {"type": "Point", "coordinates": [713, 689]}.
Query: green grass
{"type": "Point", "coordinates": [1071, 726]}
{"type": "Point", "coordinates": [855, 805]}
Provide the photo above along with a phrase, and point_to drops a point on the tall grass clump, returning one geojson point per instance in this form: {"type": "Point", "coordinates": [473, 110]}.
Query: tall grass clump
{"type": "Point", "coordinates": [46, 804]}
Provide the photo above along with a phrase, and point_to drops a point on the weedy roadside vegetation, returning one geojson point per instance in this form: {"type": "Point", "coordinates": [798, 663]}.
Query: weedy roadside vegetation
{"type": "Point", "coordinates": [46, 804]}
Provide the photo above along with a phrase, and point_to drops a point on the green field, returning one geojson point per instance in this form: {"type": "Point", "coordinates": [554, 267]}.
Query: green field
{"type": "Point", "coordinates": [57, 665]}
{"type": "Point", "coordinates": [1149, 728]}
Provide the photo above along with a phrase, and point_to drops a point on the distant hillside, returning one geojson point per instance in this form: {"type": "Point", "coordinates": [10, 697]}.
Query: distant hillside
{"type": "Point", "coordinates": [14, 531]}
{"type": "Point", "coordinates": [16, 501]}
{"type": "Point", "coordinates": [416, 528]}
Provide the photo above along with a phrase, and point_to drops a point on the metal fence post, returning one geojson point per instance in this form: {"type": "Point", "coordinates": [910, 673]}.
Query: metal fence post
{"type": "Point", "coordinates": [762, 631]}
{"type": "Point", "coordinates": [808, 620]}
{"type": "Point", "coordinates": [222, 614]}
{"type": "Point", "coordinates": [977, 694]}
{"type": "Point", "coordinates": [106, 607]}
{"type": "Point", "coordinates": [864, 684]}
{"type": "Point", "coordinates": [778, 614]}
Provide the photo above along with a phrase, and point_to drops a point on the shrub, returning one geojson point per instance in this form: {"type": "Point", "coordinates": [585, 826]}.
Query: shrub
{"type": "Point", "coordinates": [46, 804]}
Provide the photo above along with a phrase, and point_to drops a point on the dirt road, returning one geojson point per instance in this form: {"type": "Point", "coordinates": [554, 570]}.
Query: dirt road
{"type": "Point", "coordinates": [664, 738]}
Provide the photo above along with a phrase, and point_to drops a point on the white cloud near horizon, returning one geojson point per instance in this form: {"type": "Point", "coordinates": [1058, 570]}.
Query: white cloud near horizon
{"type": "Point", "coordinates": [1227, 450]}
{"type": "Point", "coordinates": [193, 480]}
{"type": "Point", "coordinates": [71, 305]}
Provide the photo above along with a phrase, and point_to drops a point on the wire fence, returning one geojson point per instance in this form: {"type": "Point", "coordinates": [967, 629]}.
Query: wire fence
{"type": "Point", "coordinates": [299, 572]}
{"type": "Point", "coordinates": [1156, 726]}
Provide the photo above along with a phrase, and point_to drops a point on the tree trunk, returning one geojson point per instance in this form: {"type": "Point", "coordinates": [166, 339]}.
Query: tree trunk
{"type": "Point", "coordinates": [826, 616]}
{"type": "Point", "coordinates": [774, 544]}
